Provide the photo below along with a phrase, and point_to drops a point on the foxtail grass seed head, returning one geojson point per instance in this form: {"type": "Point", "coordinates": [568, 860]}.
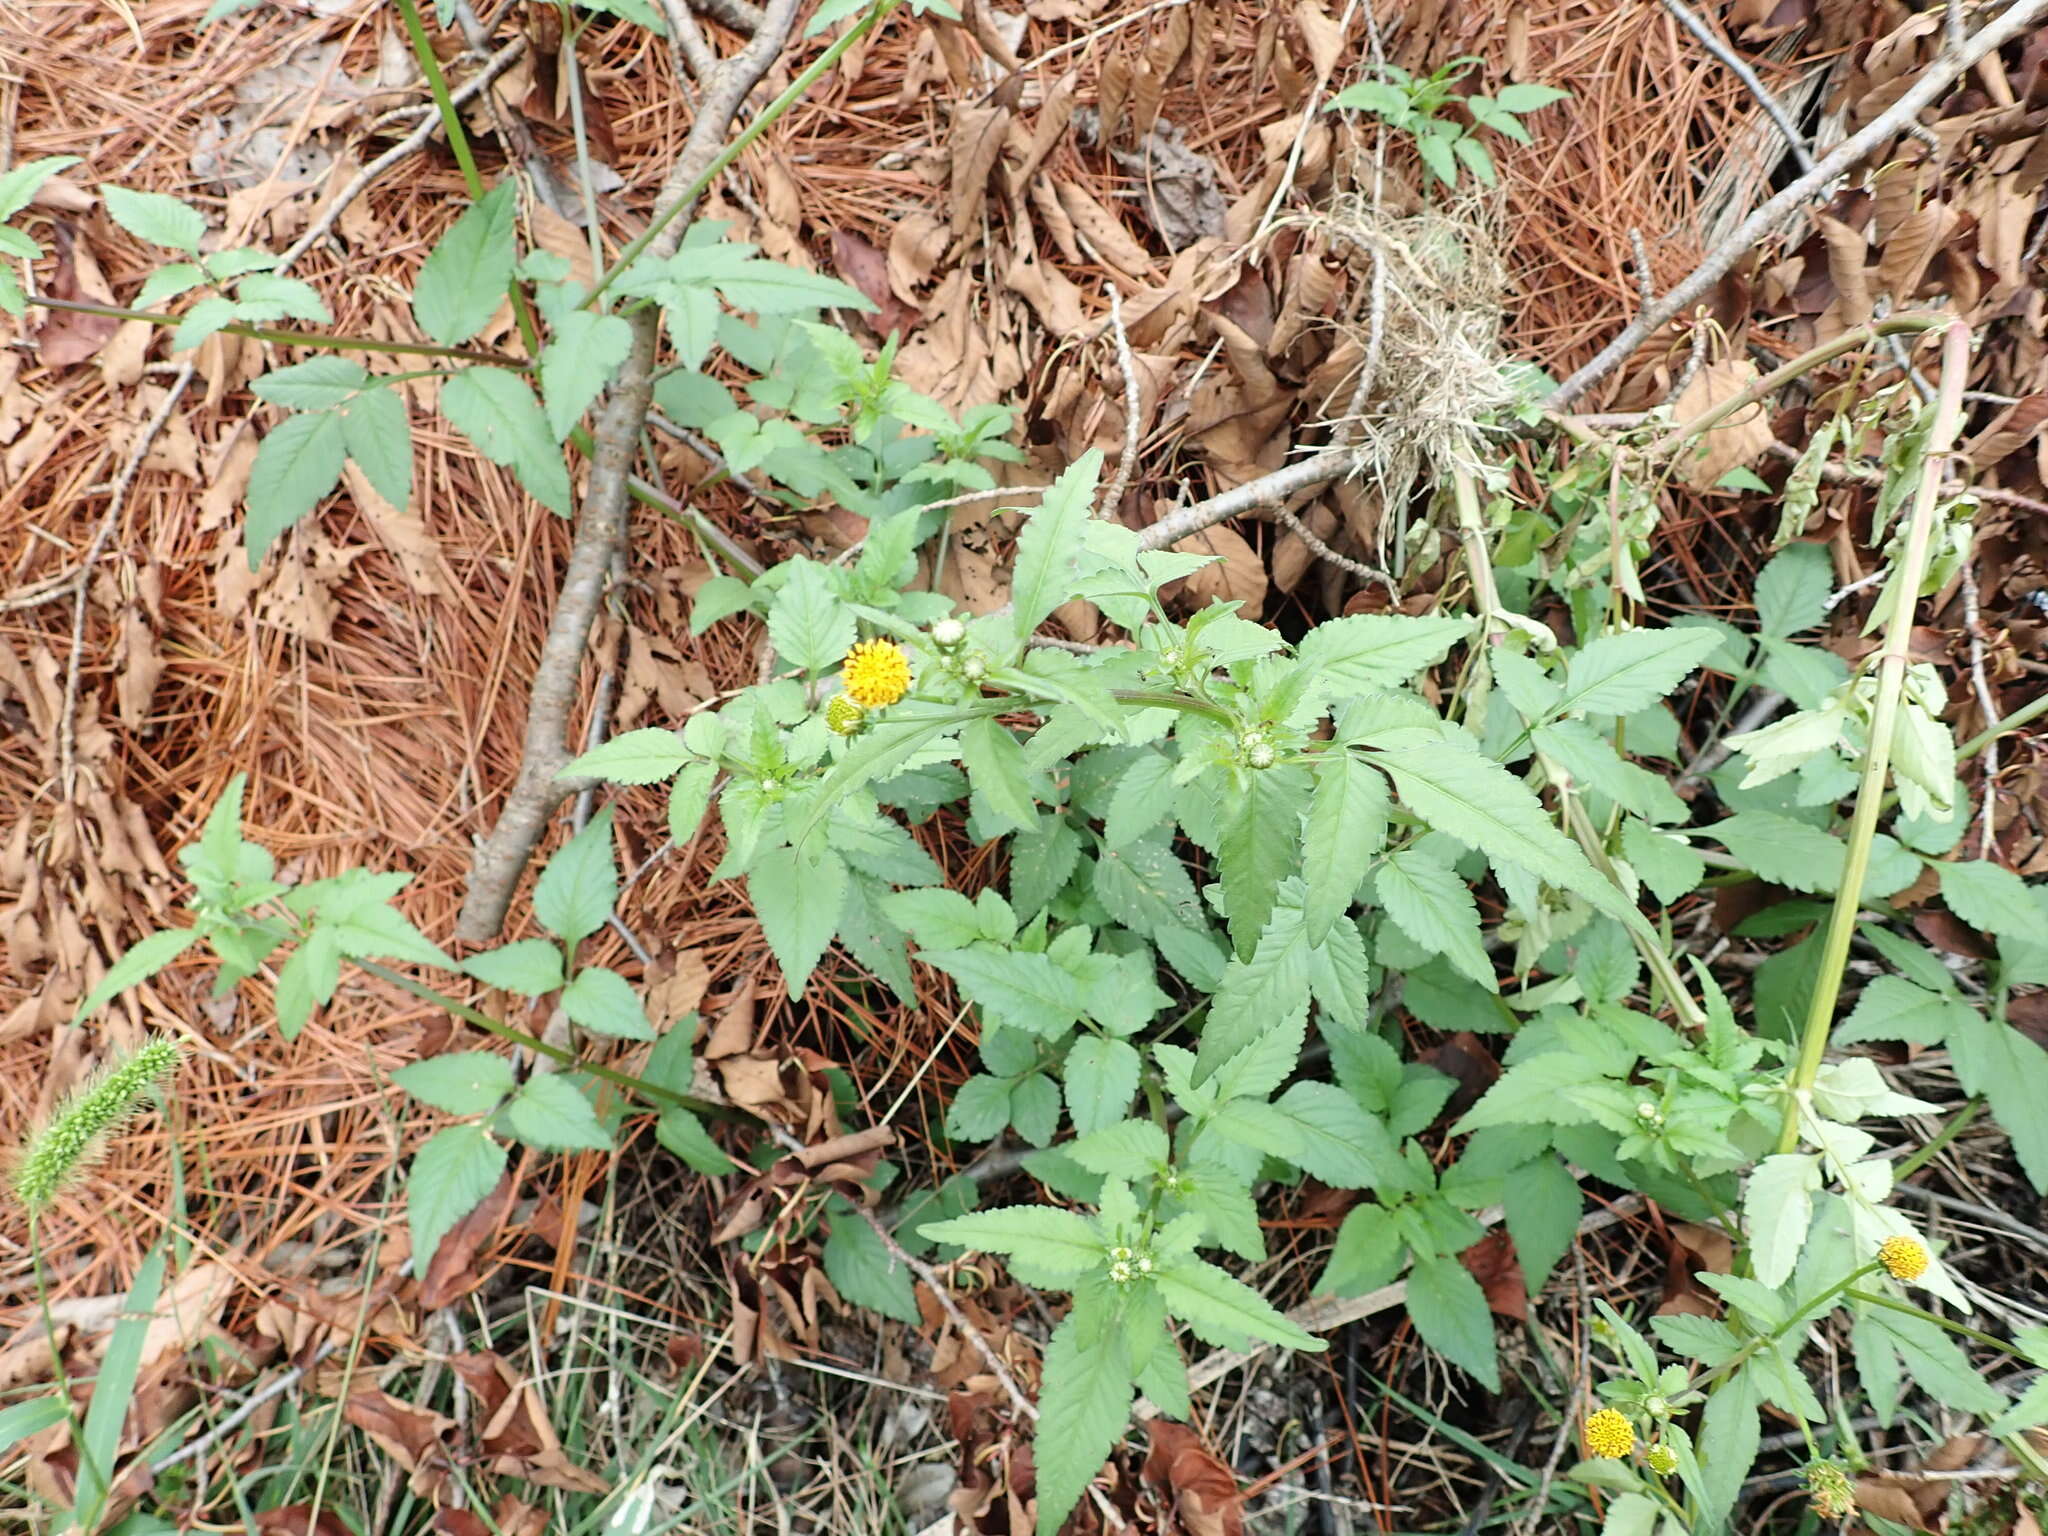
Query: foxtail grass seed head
{"type": "Point", "coordinates": [875, 674]}
{"type": "Point", "coordinates": [59, 1149]}
{"type": "Point", "coordinates": [1834, 1498]}
{"type": "Point", "coordinates": [1903, 1258]}
{"type": "Point", "coordinates": [1609, 1435]}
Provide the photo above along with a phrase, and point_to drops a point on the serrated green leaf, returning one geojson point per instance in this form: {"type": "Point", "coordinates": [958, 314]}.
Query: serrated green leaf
{"type": "Point", "coordinates": [1100, 1077]}
{"type": "Point", "coordinates": [980, 1109]}
{"type": "Point", "coordinates": [638, 757]}
{"type": "Point", "coordinates": [1543, 1203]}
{"type": "Point", "coordinates": [495, 410]}
{"type": "Point", "coordinates": [1260, 847]}
{"type": "Point", "coordinates": [1435, 909]}
{"type": "Point", "coordinates": [140, 961]}
{"type": "Point", "coordinates": [549, 1112]}
{"type": "Point", "coordinates": [808, 624]}
{"type": "Point", "coordinates": [1783, 851]}
{"type": "Point", "coordinates": [378, 435]}
{"type": "Point", "coordinates": [1337, 1140]}
{"type": "Point", "coordinates": [1129, 1149]}
{"type": "Point", "coordinates": [156, 218]}
{"type": "Point", "coordinates": [1892, 1008]}
{"type": "Point", "coordinates": [1050, 550]}
{"type": "Point", "coordinates": [1141, 800]}
{"type": "Point", "coordinates": [1052, 1238]}
{"type": "Point", "coordinates": [798, 904]}
{"type": "Point", "coordinates": [1225, 1312]}
{"type": "Point", "coordinates": [995, 768]}
{"type": "Point", "coordinates": [574, 895]}
{"type": "Point", "coordinates": [772, 288]}
{"type": "Point", "coordinates": [1345, 830]}
{"type": "Point", "coordinates": [1997, 1061]}
{"type": "Point", "coordinates": [1993, 900]}
{"type": "Point", "coordinates": [464, 278]}
{"type": "Point", "coordinates": [1792, 590]}
{"type": "Point", "coordinates": [1367, 1253]}
{"type": "Point", "coordinates": [526, 966]}
{"type": "Point", "coordinates": [265, 296]}
{"type": "Point", "coordinates": [938, 919]}
{"type": "Point", "coordinates": [1024, 990]}
{"type": "Point", "coordinates": [688, 798]}
{"type": "Point", "coordinates": [19, 185]}
{"type": "Point", "coordinates": [451, 1174]}
{"type": "Point", "coordinates": [1378, 650]}
{"type": "Point", "coordinates": [460, 1082]}
{"type": "Point", "coordinates": [296, 466]}
{"type": "Point", "coordinates": [1269, 991]}
{"type": "Point", "coordinates": [1083, 1405]}
{"type": "Point", "coordinates": [864, 1272]}
{"type": "Point", "coordinates": [1449, 1310]}
{"type": "Point", "coordinates": [1667, 865]}
{"type": "Point", "coordinates": [1622, 673]}
{"type": "Point", "coordinates": [313, 385]}
{"type": "Point", "coordinates": [578, 361]}
{"type": "Point", "coordinates": [684, 1134]}
{"type": "Point", "coordinates": [603, 1001]}
{"type": "Point", "coordinates": [1482, 805]}
{"type": "Point", "coordinates": [1777, 1210]}
{"type": "Point", "coordinates": [1527, 96]}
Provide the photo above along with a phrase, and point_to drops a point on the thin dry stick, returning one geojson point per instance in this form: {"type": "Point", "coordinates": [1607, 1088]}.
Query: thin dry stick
{"type": "Point", "coordinates": [1127, 464]}
{"type": "Point", "coordinates": [942, 1293]}
{"type": "Point", "coordinates": [1739, 68]}
{"type": "Point", "coordinates": [1898, 118]}
{"type": "Point", "coordinates": [1317, 547]}
{"type": "Point", "coordinates": [1266, 491]}
{"type": "Point", "coordinates": [601, 517]}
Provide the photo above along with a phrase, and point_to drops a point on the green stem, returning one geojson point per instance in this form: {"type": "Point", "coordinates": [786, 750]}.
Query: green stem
{"type": "Point", "coordinates": [1892, 665]}
{"type": "Point", "coordinates": [781, 104]}
{"type": "Point", "coordinates": [1948, 1133]}
{"type": "Point", "coordinates": [557, 1053]}
{"type": "Point", "coordinates": [1962, 1330]}
{"type": "Point", "coordinates": [1800, 1316]}
{"type": "Point", "coordinates": [437, 83]}
{"type": "Point", "coordinates": [1804, 363]}
{"type": "Point", "coordinates": [458, 141]}
{"type": "Point", "coordinates": [2026, 714]}
{"type": "Point", "coordinates": [291, 338]}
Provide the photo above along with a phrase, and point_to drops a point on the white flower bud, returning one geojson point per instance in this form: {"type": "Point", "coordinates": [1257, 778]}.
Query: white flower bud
{"type": "Point", "coordinates": [948, 632]}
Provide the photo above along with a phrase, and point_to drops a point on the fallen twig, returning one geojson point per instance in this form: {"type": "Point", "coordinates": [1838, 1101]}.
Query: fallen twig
{"type": "Point", "coordinates": [1739, 68]}
{"type": "Point", "coordinates": [601, 517]}
{"type": "Point", "coordinates": [1127, 463]}
{"type": "Point", "coordinates": [1897, 118]}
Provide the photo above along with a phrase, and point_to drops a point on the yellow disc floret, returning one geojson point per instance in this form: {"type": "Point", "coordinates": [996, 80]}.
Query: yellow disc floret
{"type": "Point", "coordinates": [1903, 1258]}
{"type": "Point", "coordinates": [1833, 1495]}
{"type": "Point", "coordinates": [1609, 1435]}
{"type": "Point", "coordinates": [875, 673]}
{"type": "Point", "coordinates": [1662, 1459]}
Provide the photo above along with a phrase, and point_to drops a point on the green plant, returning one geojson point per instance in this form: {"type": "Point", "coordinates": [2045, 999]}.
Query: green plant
{"type": "Point", "coordinates": [1421, 106]}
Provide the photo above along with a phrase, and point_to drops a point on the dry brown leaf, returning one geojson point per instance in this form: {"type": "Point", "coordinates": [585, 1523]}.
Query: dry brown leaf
{"type": "Point", "coordinates": [976, 140]}
{"type": "Point", "coordinates": [2012, 429]}
{"type": "Point", "coordinates": [1049, 292]}
{"type": "Point", "coordinates": [402, 531]}
{"type": "Point", "coordinates": [451, 1269]}
{"type": "Point", "coordinates": [1240, 576]}
{"type": "Point", "coordinates": [868, 270]}
{"type": "Point", "coordinates": [1847, 252]}
{"type": "Point", "coordinates": [67, 337]}
{"type": "Point", "coordinates": [138, 665]}
{"type": "Point", "coordinates": [1493, 1263]}
{"type": "Point", "coordinates": [1324, 37]}
{"type": "Point", "coordinates": [674, 997]}
{"type": "Point", "coordinates": [1739, 441]}
{"type": "Point", "coordinates": [1105, 232]}
{"type": "Point", "coordinates": [1201, 1490]}
{"type": "Point", "coordinates": [1911, 247]}
{"type": "Point", "coordinates": [412, 1437]}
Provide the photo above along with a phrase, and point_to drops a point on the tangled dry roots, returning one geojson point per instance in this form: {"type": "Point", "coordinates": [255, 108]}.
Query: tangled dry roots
{"type": "Point", "coordinates": [1439, 376]}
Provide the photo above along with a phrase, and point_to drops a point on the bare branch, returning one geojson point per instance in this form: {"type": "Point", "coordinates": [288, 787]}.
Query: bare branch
{"type": "Point", "coordinates": [1266, 491]}
{"type": "Point", "coordinates": [601, 518]}
{"type": "Point", "coordinates": [1899, 117]}
{"type": "Point", "coordinates": [1739, 68]}
{"type": "Point", "coordinates": [1126, 466]}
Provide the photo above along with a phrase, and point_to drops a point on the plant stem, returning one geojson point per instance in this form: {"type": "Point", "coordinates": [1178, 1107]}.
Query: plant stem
{"type": "Point", "coordinates": [458, 141]}
{"type": "Point", "coordinates": [437, 83]}
{"type": "Point", "coordinates": [566, 1057]}
{"type": "Point", "coordinates": [1892, 664]}
{"type": "Point", "coordinates": [1804, 363]}
{"type": "Point", "coordinates": [1948, 1133]}
{"type": "Point", "coordinates": [2026, 714]}
{"type": "Point", "coordinates": [291, 338]}
{"type": "Point", "coordinates": [781, 104]}
{"type": "Point", "coordinates": [1963, 1330]}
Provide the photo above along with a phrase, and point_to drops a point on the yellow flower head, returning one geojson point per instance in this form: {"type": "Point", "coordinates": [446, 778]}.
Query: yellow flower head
{"type": "Point", "coordinates": [1903, 1258]}
{"type": "Point", "coordinates": [1833, 1496]}
{"type": "Point", "coordinates": [1609, 1435]}
{"type": "Point", "coordinates": [842, 716]}
{"type": "Point", "coordinates": [875, 673]}
{"type": "Point", "coordinates": [1662, 1459]}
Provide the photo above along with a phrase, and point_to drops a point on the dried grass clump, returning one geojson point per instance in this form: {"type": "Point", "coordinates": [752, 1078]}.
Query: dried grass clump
{"type": "Point", "coordinates": [1439, 381]}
